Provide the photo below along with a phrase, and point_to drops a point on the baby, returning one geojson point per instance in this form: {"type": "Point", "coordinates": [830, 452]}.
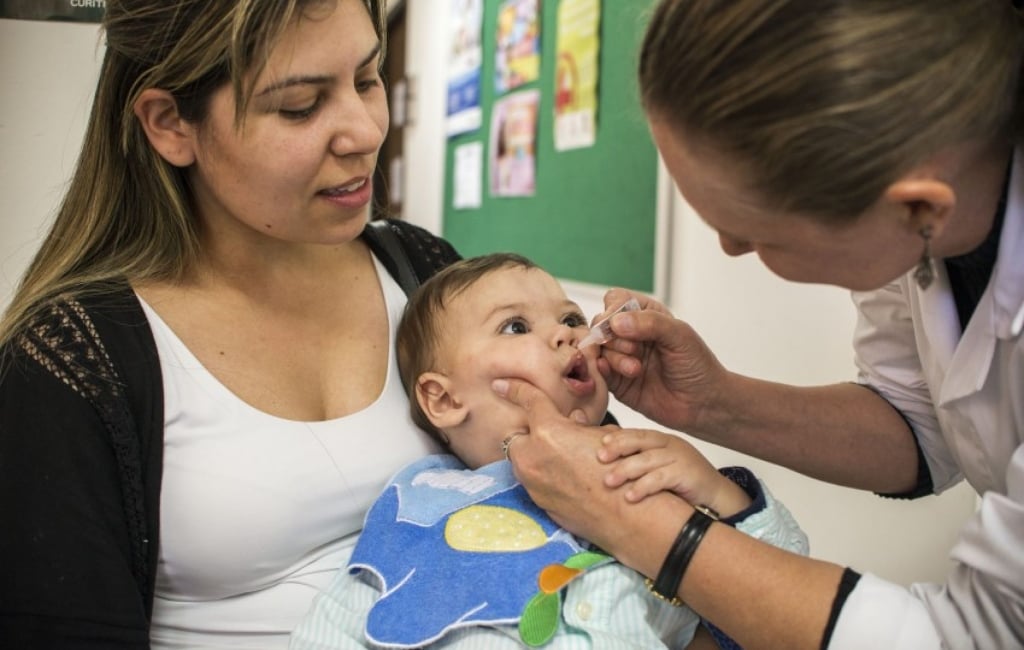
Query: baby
{"type": "Point", "coordinates": [454, 553]}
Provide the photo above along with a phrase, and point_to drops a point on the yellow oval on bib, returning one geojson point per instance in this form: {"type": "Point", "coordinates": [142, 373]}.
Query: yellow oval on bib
{"type": "Point", "coordinates": [491, 529]}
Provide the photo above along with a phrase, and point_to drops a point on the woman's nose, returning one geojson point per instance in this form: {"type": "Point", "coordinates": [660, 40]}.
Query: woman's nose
{"type": "Point", "coordinates": [360, 126]}
{"type": "Point", "coordinates": [732, 246]}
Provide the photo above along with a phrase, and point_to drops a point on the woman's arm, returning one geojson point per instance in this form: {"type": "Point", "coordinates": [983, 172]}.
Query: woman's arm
{"type": "Point", "coordinates": [762, 596]}
{"type": "Point", "coordinates": [844, 434]}
{"type": "Point", "coordinates": [65, 579]}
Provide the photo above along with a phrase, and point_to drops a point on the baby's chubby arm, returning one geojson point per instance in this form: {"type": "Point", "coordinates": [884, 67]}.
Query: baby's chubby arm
{"type": "Point", "coordinates": [654, 461]}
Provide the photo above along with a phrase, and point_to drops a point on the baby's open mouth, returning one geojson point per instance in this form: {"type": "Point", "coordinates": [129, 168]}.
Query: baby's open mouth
{"type": "Point", "coordinates": [578, 379]}
{"type": "Point", "coordinates": [578, 370]}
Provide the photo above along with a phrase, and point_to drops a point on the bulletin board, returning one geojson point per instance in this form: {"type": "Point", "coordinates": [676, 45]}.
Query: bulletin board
{"type": "Point", "coordinates": [593, 215]}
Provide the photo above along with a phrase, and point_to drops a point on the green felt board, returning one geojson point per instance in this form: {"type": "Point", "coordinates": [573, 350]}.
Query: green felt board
{"type": "Point", "coordinates": [593, 215]}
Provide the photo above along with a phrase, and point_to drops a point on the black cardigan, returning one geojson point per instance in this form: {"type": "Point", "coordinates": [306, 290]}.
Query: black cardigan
{"type": "Point", "coordinates": [81, 458]}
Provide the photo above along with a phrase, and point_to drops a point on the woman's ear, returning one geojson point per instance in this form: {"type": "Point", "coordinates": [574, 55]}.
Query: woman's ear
{"type": "Point", "coordinates": [927, 202]}
{"type": "Point", "coordinates": [168, 133]}
{"type": "Point", "coordinates": [434, 394]}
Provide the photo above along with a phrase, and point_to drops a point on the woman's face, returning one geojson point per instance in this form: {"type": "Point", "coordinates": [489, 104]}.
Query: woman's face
{"type": "Point", "coordinates": [299, 167]}
{"type": "Point", "coordinates": [866, 253]}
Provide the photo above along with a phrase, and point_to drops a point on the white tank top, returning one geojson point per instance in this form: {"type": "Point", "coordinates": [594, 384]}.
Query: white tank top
{"type": "Point", "coordinates": [257, 513]}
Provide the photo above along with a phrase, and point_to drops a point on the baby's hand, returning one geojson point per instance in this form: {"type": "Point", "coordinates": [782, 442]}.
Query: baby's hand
{"type": "Point", "coordinates": [653, 461]}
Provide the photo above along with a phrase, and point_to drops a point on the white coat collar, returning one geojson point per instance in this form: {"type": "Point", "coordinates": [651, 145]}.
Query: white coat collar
{"type": "Point", "coordinates": [998, 315]}
{"type": "Point", "coordinates": [1008, 274]}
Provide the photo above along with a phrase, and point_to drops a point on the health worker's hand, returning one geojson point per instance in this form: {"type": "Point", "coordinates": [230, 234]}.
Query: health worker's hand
{"type": "Point", "coordinates": [557, 464]}
{"type": "Point", "coordinates": [658, 365]}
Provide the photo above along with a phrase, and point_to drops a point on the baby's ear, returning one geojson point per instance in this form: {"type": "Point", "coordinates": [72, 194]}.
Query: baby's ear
{"type": "Point", "coordinates": [433, 392]}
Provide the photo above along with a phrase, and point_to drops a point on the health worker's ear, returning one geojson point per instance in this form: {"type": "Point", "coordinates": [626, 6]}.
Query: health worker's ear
{"type": "Point", "coordinates": [434, 394]}
{"type": "Point", "coordinates": [927, 202]}
{"type": "Point", "coordinates": [168, 133]}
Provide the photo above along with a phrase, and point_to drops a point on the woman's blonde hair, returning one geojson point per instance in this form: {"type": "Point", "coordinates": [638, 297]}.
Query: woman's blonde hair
{"type": "Point", "coordinates": [825, 102]}
{"type": "Point", "coordinates": [127, 214]}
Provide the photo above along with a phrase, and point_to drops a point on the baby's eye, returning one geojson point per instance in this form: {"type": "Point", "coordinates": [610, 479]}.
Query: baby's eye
{"type": "Point", "coordinates": [574, 320]}
{"type": "Point", "coordinates": [514, 326]}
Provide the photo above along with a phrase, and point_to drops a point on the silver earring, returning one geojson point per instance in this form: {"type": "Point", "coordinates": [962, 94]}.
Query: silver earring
{"type": "Point", "coordinates": [925, 272]}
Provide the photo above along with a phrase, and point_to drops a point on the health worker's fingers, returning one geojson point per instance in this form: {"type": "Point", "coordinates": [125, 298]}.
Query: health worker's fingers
{"type": "Point", "coordinates": [617, 296]}
{"type": "Point", "coordinates": [557, 463]}
{"type": "Point", "coordinates": [538, 406]}
{"type": "Point", "coordinates": [579, 416]}
{"type": "Point", "coordinates": [615, 299]}
{"type": "Point", "coordinates": [612, 364]}
{"type": "Point", "coordinates": [646, 325]}
{"type": "Point", "coordinates": [638, 336]}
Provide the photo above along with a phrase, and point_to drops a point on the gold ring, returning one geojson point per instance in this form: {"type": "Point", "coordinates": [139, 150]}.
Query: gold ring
{"type": "Point", "coordinates": [507, 442]}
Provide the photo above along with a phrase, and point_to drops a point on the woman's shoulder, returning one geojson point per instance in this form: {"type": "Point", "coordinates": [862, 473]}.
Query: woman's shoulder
{"type": "Point", "coordinates": [427, 252]}
{"type": "Point", "coordinates": [420, 241]}
{"type": "Point", "coordinates": [86, 339]}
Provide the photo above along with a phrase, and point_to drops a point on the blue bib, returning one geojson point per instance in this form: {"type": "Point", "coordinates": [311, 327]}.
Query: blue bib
{"type": "Point", "coordinates": [452, 548]}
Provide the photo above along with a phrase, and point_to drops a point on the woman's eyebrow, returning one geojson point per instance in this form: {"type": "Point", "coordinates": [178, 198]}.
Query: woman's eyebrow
{"type": "Point", "coordinates": [295, 81]}
{"type": "Point", "coordinates": [316, 79]}
{"type": "Point", "coordinates": [370, 57]}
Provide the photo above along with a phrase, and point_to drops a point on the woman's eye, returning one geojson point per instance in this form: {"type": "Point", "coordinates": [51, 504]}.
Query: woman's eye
{"type": "Point", "coordinates": [369, 83]}
{"type": "Point", "coordinates": [299, 113]}
{"type": "Point", "coordinates": [514, 326]}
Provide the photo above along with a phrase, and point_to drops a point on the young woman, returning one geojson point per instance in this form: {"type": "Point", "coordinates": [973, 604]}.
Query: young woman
{"type": "Point", "coordinates": [198, 402]}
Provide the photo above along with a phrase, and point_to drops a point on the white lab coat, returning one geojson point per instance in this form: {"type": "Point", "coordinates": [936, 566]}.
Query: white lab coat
{"type": "Point", "coordinates": [964, 398]}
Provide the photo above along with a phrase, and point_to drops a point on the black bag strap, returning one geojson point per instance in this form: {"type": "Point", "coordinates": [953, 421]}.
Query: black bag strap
{"type": "Point", "coordinates": [381, 233]}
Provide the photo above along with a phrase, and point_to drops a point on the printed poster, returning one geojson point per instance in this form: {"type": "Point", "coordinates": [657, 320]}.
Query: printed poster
{"type": "Point", "coordinates": [576, 73]}
{"type": "Point", "coordinates": [467, 192]}
{"type": "Point", "coordinates": [77, 11]}
{"type": "Point", "coordinates": [517, 48]}
{"type": "Point", "coordinates": [464, 64]}
{"type": "Point", "coordinates": [513, 144]}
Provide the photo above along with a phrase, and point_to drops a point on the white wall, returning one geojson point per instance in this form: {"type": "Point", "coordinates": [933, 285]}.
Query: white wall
{"type": "Point", "coordinates": [424, 133]}
{"type": "Point", "coordinates": [756, 323]}
{"type": "Point", "coordinates": [47, 73]}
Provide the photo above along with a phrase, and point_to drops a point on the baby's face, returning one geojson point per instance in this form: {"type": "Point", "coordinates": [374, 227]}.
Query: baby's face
{"type": "Point", "coordinates": [515, 323]}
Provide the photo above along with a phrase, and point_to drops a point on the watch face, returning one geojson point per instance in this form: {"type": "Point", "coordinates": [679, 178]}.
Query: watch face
{"type": "Point", "coordinates": [710, 512]}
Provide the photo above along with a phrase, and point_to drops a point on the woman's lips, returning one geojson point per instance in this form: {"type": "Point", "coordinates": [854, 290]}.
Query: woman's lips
{"type": "Point", "coordinates": [355, 194]}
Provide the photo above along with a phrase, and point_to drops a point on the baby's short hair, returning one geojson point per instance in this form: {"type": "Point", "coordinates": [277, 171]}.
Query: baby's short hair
{"type": "Point", "coordinates": [421, 326]}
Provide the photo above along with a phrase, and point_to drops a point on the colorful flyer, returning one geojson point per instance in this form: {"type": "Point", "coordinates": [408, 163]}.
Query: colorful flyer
{"type": "Point", "coordinates": [517, 48]}
{"type": "Point", "coordinates": [464, 64]}
{"type": "Point", "coordinates": [576, 73]}
{"type": "Point", "coordinates": [513, 144]}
